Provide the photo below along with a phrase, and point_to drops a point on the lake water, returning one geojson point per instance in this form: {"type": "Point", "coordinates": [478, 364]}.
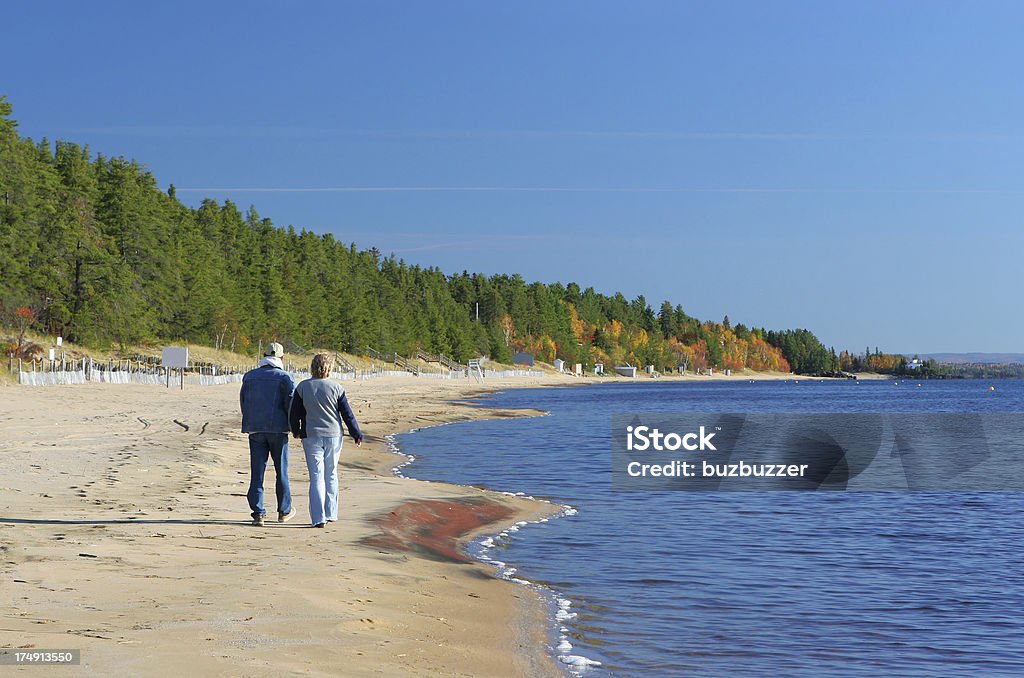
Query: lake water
{"type": "Point", "coordinates": [752, 583]}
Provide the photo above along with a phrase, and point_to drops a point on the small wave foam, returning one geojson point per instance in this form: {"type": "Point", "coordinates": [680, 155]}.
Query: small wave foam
{"type": "Point", "coordinates": [576, 664]}
{"type": "Point", "coordinates": [578, 661]}
{"type": "Point", "coordinates": [392, 444]}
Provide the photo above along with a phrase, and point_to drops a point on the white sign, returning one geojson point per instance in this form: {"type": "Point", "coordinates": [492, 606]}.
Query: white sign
{"type": "Point", "coordinates": [175, 357]}
{"type": "Point", "coordinates": [60, 340]}
{"type": "Point", "coordinates": [53, 354]}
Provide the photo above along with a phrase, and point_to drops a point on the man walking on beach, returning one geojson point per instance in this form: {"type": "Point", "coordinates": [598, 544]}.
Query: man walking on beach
{"type": "Point", "coordinates": [266, 397]}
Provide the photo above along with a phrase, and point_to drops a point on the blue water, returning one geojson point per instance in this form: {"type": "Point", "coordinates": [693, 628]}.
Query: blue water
{"type": "Point", "coordinates": [752, 584]}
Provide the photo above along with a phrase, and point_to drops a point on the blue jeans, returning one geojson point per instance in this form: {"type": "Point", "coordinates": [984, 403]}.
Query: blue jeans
{"type": "Point", "coordinates": [261, 447]}
{"type": "Point", "coordinates": [322, 462]}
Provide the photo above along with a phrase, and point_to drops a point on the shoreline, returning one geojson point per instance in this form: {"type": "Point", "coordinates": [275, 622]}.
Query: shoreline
{"type": "Point", "coordinates": [121, 531]}
{"type": "Point", "coordinates": [123, 537]}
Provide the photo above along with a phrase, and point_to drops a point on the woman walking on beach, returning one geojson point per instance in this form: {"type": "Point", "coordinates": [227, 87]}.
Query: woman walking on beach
{"type": "Point", "coordinates": [318, 409]}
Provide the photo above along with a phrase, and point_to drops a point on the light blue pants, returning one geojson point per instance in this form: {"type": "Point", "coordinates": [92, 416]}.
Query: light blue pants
{"type": "Point", "coordinates": [322, 462]}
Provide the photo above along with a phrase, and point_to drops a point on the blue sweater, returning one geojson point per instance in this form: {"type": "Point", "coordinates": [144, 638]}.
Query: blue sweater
{"type": "Point", "coordinates": [266, 397]}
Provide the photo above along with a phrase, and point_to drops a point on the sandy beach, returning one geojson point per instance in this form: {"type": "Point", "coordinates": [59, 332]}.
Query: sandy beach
{"type": "Point", "coordinates": [125, 535]}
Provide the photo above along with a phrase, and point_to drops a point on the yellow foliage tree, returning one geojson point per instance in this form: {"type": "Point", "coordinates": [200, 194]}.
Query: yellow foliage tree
{"type": "Point", "coordinates": [579, 328]}
{"type": "Point", "coordinates": [639, 339]}
{"type": "Point", "coordinates": [508, 328]}
{"type": "Point", "coordinates": [613, 330]}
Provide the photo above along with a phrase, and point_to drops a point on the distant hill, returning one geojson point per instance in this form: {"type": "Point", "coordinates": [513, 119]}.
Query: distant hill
{"type": "Point", "coordinates": [985, 358]}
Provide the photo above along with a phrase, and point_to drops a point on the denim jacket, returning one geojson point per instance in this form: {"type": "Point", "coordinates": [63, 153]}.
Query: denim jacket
{"type": "Point", "coordinates": [266, 397]}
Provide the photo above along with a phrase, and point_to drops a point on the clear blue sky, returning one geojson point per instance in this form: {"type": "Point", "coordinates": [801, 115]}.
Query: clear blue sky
{"type": "Point", "coordinates": [850, 167]}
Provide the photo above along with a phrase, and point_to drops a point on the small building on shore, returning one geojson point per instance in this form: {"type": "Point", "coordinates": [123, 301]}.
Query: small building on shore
{"type": "Point", "coordinates": [626, 370]}
{"type": "Point", "coordinates": [523, 359]}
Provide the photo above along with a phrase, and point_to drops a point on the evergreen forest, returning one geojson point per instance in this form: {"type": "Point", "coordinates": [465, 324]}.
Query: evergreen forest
{"type": "Point", "coordinates": [95, 251]}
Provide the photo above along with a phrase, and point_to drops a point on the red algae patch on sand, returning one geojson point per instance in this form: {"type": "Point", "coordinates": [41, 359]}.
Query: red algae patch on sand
{"type": "Point", "coordinates": [432, 527]}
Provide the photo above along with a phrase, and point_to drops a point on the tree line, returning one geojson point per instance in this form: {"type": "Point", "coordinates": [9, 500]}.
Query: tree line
{"type": "Point", "coordinates": [93, 250]}
{"type": "Point", "coordinates": [892, 363]}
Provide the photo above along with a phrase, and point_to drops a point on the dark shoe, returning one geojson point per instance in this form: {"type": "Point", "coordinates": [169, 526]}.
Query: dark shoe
{"type": "Point", "coordinates": [319, 525]}
{"type": "Point", "coordinates": [258, 521]}
{"type": "Point", "coordinates": [285, 517]}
